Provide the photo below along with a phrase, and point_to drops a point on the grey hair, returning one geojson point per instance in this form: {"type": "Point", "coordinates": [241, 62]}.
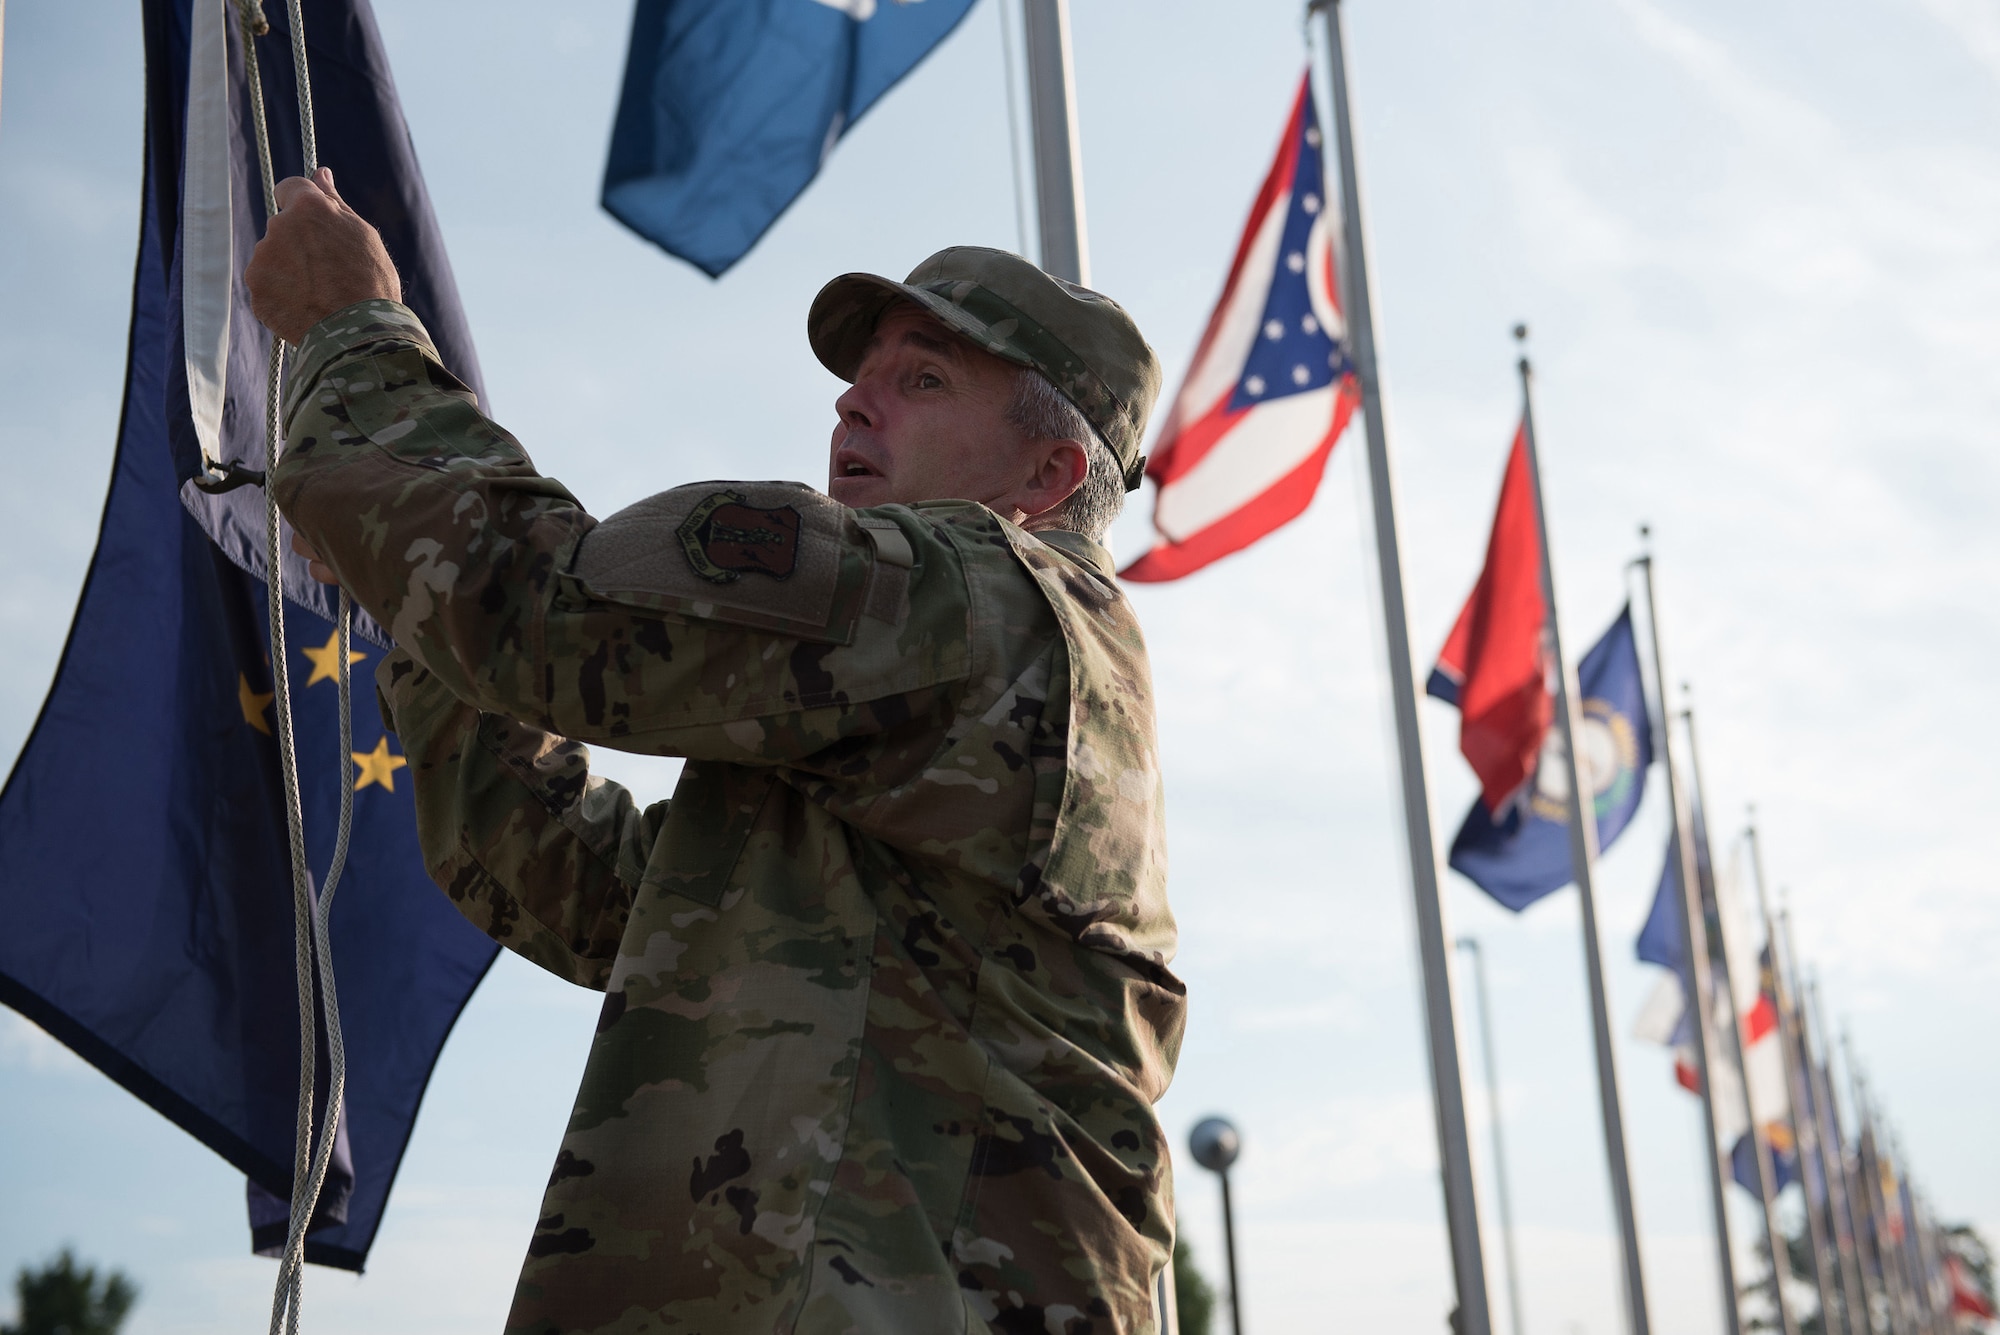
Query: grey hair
{"type": "Point", "coordinates": [1040, 412]}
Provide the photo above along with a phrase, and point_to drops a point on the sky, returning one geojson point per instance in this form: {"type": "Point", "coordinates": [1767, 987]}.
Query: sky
{"type": "Point", "coordinates": [1758, 247]}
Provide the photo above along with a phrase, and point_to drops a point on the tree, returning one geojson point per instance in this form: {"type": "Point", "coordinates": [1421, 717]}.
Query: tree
{"type": "Point", "coordinates": [62, 1298]}
{"type": "Point", "coordinates": [1192, 1292]}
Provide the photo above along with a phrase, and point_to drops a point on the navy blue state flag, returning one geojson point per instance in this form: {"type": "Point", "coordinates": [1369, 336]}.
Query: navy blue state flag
{"type": "Point", "coordinates": [1522, 854]}
{"type": "Point", "coordinates": [1784, 1160]}
{"type": "Point", "coordinates": [145, 885]}
{"type": "Point", "coordinates": [730, 107]}
{"type": "Point", "coordinates": [1661, 940]}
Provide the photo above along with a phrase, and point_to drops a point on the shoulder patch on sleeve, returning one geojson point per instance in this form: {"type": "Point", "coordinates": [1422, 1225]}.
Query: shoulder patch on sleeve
{"type": "Point", "coordinates": [725, 538]}
{"type": "Point", "coordinates": [755, 553]}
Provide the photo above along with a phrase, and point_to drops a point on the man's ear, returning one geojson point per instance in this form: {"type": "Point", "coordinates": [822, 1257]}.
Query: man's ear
{"type": "Point", "coordinates": [1060, 468]}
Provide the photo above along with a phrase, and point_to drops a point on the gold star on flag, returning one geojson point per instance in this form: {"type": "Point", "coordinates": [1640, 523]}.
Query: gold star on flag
{"type": "Point", "coordinates": [253, 704]}
{"type": "Point", "coordinates": [326, 659]}
{"type": "Point", "coordinates": [377, 766]}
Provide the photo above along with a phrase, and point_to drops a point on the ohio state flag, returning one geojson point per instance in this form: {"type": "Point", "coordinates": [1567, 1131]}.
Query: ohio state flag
{"type": "Point", "coordinates": [1271, 388]}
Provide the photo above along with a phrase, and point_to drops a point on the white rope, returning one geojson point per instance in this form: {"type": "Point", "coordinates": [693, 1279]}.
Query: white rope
{"type": "Point", "coordinates": [312, 929]}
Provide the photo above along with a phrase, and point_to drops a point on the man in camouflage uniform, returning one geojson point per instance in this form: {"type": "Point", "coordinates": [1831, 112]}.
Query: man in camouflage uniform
{"type": "Point", "coordinates": [887, 990]}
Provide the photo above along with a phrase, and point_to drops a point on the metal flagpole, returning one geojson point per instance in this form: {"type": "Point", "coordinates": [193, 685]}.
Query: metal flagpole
{"type": "Point", "coordinates": [1906, 1254]}
{"type": "Point", "coordinates": [1927, 1255]}
{"type": "Point", "coordinates": [1891, 1249]}
{"type": "Point", "coordinates": [1868, 1167]}
{"type": "Point", "coordinates": [1461, 1210]}
{"type": "Point", "coordinates": [1803, 1138]}
{"type": "Point", "coordinates": [1850, 1186]}
{"type": "Point", "coordinates": [1760, 1147]}
{"type": "Point", "coordinates": [1013, 126]}
{"type": "Point", "coordinates": [1831, 1175]}
{"type": "Point", "coordinates": [1058, 153]}
{"type": "Point", "coordinates": [1920, 1264]}
{"type": "Point", "coordinates": [1470, 945]}
{"type": "Point", "coordinates": [1698, 980]}
{"type": "Point", "coordinates": [1583, 861]}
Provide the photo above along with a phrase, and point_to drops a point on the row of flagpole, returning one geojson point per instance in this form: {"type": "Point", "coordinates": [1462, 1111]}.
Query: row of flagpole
{"type": "Point", "coordinates": [1869, 1278]}
{"type": "Point", "coordinates": [1904, 1288]}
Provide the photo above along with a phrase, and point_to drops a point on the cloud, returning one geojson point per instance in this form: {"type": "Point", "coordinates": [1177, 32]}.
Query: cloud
{"type": "Point", "coordinates": [1342, 1143]}
{"type": "Point", "coordinates": [1974, 23]}
{"type": "Point", "coordinates": [1797, 337]}
{"type": "Point", "coordinates": [1715, 68]}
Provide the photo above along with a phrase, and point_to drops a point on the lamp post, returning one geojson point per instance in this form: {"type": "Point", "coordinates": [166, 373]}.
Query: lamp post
{"type": "Point", "coordinates": [1470, 945]}
{"type": "Point", "coordinates": [1215, 1145]}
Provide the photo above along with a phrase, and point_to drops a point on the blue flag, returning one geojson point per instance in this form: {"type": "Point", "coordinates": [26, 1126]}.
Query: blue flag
{"type": "Point", "coordinates": [1784, 1162]}
{"type": "Point", "coordinates": [1661, 940]}
{"type": "Point", "coordinates": [145, 885]}
{"type": "Point", "coordinates": [1523, 854]}
{"type": "Point", "coordinates": [731, 106]}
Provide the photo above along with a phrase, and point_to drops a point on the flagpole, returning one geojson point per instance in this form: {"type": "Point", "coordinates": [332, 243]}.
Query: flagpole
{"type": "Point", "coordinates": [1905, 1280]}
{"type": "Point", "coordinates": [1927, 1257]}
{"type": "Point", "coordinates": [1781, 999]}
{"type": "Point", "coordinates": [1760, 1149]}
{"type": "Point", "coordinates": [1850, 1186]}
{"type": "Point", "coordinates": [1906, 1258]}
{"type": "Point", "coordinates": [1065, 246]}
{"type": "Point", "coordinates": [1461, 1208]}
{"type": "Point", "coordinates": [1832, 1175]}
{"type": "Point", "coordinates": [1583, 861]}
{"type": "Point", "coordinates": [1868, 1164]}
{"type": "Point", "coordinates": [1698, 980]}
{"type": "Point", "coordinates": [1920, 1260]}
{"type": "Point", "coordinates": [1892, 1267]}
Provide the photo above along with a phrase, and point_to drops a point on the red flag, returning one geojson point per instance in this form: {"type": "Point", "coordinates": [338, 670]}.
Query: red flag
{"type": "Point", "coordinates": [1495, 665]}
{"type": "Point", "coordinates": [1966, 1299]}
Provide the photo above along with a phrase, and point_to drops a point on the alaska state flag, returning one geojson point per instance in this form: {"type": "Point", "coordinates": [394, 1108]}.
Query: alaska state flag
{"type": "Point", "coordinates": [145, 885]}
{"type": "Point", "coordinates": [1271, 388]}
{"type": "Point", "coordinates": [1522, 853]}
{"type": "Point", "coordinates": [730, 108]}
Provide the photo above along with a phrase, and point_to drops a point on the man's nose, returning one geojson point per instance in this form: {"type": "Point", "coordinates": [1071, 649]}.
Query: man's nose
{"type": "Point", "coordinates": [853, 407]}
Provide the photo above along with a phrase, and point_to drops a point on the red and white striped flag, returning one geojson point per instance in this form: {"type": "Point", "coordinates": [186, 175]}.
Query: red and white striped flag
{"type": "Point", "coordinates": [1247, 439]}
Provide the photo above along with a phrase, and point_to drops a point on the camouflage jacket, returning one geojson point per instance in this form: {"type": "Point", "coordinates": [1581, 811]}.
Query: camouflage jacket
{"type": "Point", "coordinates": [887, 998]}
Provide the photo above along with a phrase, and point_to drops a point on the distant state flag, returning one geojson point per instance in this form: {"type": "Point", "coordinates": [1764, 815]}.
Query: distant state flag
{"type": "Point", "coordinates": [145, 883]}
{"type": "Point", "coordinates": [1764, 1066]}
{"type": "Point", "coordinates": [1665, 1019]}
{"type": "Point", "coordinates": [1496, 666]}
{"type": "Point", "coordinates": [730, 108]}
{"type": "Point", "coordinates": [1784, 1160]}
{"type": "Point", "coordinates": [1244, 446]}
{"type": "Point", "coordinates": [1967, 1297]}
{"type": "Point", "coordinates": [1522, 853]}
{"type": "Point", "coordinates": [1763, 1053]}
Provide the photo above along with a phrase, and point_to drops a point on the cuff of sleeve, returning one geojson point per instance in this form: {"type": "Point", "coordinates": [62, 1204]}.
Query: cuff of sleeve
{"type": "Point", "coordinates": [348, 330]}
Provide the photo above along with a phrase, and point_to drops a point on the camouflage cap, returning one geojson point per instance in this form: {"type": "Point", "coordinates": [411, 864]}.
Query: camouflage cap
{"type": "Point", "coordinates": [1083, 341]}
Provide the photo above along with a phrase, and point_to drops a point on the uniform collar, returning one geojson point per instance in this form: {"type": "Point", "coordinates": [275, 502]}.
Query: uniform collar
{"type": "Point", "coordinates": [1079, 547]}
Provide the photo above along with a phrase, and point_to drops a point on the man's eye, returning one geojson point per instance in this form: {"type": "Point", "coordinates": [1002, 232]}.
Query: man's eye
{"type": "Point", "coordinates": [929, 380]}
